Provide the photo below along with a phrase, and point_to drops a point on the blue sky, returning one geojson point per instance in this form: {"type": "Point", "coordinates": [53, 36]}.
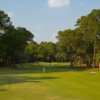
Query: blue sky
{"type": "Point", "coordinates": [44, 18]}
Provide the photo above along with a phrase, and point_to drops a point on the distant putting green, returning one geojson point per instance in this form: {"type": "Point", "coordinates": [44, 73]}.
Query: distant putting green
{"type": "Point", "coordinates": [59, 82]}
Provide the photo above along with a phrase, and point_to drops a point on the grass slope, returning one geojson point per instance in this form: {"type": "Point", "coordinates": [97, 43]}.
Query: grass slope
{"type": "Point", "coordinates": [58, 83]}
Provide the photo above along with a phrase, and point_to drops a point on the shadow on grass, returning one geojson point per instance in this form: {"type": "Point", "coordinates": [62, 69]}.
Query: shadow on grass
{"type": "Point", "coordinates": [3, 90]}
{"type": "Point", "coordinates": [8, 80]}
{"type": "Point", "coordinates": [39, 69]}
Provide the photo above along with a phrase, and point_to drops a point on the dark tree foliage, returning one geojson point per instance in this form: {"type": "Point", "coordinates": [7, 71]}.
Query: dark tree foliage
{"type": "Point", "coordinates": [80, 46]}
{"type": "Point", "coordinates": [12, 40]}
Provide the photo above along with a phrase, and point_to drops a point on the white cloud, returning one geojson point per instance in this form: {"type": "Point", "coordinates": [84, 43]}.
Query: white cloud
{"type": "Point", "coordinates": [54, 38]}
{"type": "Point", "coordinates": [58, 3]}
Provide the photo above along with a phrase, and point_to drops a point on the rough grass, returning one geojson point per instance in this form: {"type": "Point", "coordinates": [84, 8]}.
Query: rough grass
{"type": "Point", "coordinates": [60, 82]}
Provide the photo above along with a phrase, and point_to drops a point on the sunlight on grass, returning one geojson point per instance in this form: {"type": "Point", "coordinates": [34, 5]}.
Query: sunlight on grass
{"type": "Point", "coordinates": [58, 83]}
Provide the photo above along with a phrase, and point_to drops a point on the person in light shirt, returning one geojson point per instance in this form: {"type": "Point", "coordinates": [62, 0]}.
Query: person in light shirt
{"type": "Point", "coordinates": [43, 70]}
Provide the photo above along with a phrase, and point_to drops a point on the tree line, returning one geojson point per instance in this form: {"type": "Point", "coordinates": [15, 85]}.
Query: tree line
{"type": "Point", "coordinates": [80, 46]}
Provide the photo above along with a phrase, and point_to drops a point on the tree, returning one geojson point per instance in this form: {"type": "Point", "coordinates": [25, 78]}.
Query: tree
{"type": "Point", "coordinates": [61, 54]}
{"type": "Point", "coordinates": [13, 44]}
{"type": "Point", "coordinates": [67, 40]}
{"type": "Point", "coordinates": [5, 23]}
{"type": "Point", "coordinates": [42, 53]}
{"type": "Point", "coordinates": [51, 48]}
{"type": "Point", "coordinates": [47, 51]}
{"type": "Point", "coordinates": [12, 40]}
{"type": "Point", "coordinates": [22, 38]}
{"type": "Point", "coordinates": [90, 27]}
{"type": "Point", "coordinates": [5, 27]}
{"type": "Point", "coordinates": [31, 52]}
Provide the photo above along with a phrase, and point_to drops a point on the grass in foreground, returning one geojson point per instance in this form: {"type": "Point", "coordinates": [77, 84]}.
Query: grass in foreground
{"type": "Point", "coordinates": [58, 83]}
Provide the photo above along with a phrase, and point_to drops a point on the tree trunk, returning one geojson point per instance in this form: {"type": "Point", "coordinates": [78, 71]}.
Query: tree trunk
{"type": "Point", "coordinates": [71, 60]}
{"type": "Point", "coordinates": [94, 52]}
{"type": "Point", "coordinates": [89, 63]}
{"type": "Point", "coordinates": [99, 64]}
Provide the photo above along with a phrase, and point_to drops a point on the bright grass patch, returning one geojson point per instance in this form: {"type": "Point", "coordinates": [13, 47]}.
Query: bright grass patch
{"type": "Point", "coordinates": [59, 82]}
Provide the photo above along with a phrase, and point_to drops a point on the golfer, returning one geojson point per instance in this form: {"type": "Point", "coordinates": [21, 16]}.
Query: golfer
{"type": "Point", "coordinates": [43, 70]}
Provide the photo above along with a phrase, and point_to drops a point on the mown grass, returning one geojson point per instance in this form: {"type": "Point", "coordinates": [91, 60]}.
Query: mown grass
{"type": "Point", "coordinates": [60, 82]}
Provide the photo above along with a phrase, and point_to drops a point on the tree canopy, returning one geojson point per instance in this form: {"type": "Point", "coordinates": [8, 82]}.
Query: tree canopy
{"type": "Point", "coordinates": [79, 46]}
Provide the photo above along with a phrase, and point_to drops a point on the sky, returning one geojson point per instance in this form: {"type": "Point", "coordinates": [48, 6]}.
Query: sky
{"type": "Point", "coordinates": [44, 18]}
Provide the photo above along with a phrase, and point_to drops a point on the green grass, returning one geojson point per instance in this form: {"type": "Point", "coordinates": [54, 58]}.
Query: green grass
{"type": "Point", "coordinates": [58, 83]}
